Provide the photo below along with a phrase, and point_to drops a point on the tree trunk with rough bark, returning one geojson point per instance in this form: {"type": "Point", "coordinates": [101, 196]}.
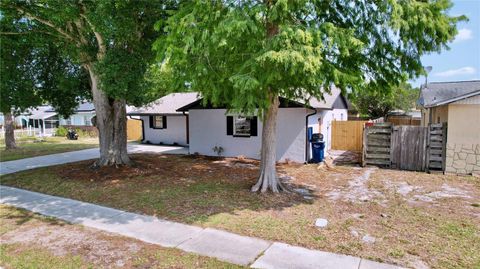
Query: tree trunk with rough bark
{"type": "Point", "coordinates": [9, 132]}
{"type": "Point", "coordinates": [268, 179]}
{"type": "Point", "coordinates": [268, 173]}
{"type": "Point", "coordinates": [111, 122]}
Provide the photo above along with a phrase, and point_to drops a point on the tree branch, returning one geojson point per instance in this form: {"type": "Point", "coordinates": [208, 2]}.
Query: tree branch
{"type": "Point", "coordinates": [47, 23]}
{"type": "Point", "coordinates": [102, 49]}
{"type": "Point", "coordinates": [28, 33]}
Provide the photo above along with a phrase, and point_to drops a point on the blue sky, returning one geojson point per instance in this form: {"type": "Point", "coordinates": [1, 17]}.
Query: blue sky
{"type": "Point", "coordinates": [462, 61]}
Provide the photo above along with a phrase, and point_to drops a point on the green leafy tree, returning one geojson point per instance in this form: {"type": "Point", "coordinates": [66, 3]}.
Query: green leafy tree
{"type": "Point", "coordinates": [31, 75]}
{"type": "Point", "coordinates": [245, 54]}
{"type": "Point", "coordinates": [111, 41]}
{"type": "Point", "coordinates": [376, 103]}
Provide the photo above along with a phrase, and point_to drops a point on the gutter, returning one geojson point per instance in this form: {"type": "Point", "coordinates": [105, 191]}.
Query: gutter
{"type": "Point", "coordinates": [187, 127]}
{"type": "Point", "coordinates": [306, 135]}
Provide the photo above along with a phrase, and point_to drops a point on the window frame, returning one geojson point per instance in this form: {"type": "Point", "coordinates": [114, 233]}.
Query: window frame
{"type": "Point", "coordinates": [247, 124]}
{"type": "Point", "coordinates": [87, 120]}
{"type": "Point", "coordinates": [154, 123]}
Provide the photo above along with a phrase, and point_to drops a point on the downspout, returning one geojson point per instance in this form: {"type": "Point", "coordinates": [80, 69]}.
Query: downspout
{"type": "Point", "coordinates": [187, 127]}
{"type": "Point", "coordinates": [306, 135]}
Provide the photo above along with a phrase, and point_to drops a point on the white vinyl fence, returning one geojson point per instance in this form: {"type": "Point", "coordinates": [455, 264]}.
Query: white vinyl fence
{"type": "Point", "coordinates": [30, 131]}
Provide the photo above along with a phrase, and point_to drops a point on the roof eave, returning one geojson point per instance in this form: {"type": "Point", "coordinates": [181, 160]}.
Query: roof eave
{"type": "Point", "coordinates": [458, 98]}
{"type": "Point", "coordinates": [153, 114]}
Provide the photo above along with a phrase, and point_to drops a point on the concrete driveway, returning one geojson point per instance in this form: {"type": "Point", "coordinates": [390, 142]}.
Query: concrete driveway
{"type": "Point", "coordinates": [81, 155]}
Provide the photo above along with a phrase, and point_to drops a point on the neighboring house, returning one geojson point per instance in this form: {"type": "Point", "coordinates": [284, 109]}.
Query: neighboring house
{"type": "Point", "coordinates": [20, 121]}
{"type": "Point", "coordinates": [458, 105]}
{"type": "Point", "coordinates": [206, 129]}
{"type": "Point", "coordinates": [82, 116]}
{"type": "Point", "coordinates": [43, 117]}
{"type": "Point", "coordinates": [162, 123]}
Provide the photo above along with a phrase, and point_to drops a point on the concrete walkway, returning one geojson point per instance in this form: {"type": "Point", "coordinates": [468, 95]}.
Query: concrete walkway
{"type": "Point", "coordinates": [225, 246]}
{"type": "Point", "coordinates": [80, 155]}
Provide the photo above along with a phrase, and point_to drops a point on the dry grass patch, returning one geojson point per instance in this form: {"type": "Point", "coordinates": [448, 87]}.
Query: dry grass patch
{"type": "Point", "coordinates": [407, 218]}
{"type": "Point", "coordinates": [33, 241]}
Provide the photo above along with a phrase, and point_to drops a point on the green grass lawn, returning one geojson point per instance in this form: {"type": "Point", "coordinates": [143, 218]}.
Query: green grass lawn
{"type": "Point", "coordinates": [414, 217]}
{"type": "Point", "coordinates": [31, 147]}
{"type": "Point", "coordinates": [33, 241]}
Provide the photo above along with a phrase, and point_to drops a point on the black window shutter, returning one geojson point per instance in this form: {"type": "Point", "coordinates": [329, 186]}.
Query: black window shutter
{"type": "Point", "coordinates": [164, 120]}
{"type": "Point", "coordinates": [229, 125]}
{"type": "Point", "coordinates": [253, 126]}
{"type": "Point", "coordinates": [150, 120]}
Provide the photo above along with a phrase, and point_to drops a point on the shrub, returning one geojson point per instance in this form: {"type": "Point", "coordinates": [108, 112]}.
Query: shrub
{"type": "Point", "coordinates": [61, 131]}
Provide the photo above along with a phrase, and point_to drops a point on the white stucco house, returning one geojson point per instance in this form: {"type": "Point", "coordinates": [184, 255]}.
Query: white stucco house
{"type": "Point", "coordinates": [82, 116]}
{"type": "Point", "coordinates": [182, 119]}
{"type": "Point", "coordinates": [162, 123]}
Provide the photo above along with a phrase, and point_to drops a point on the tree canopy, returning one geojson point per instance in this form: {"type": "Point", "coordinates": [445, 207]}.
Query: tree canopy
{"type": "Point", "coordinates": [114, 36]}
{"type": "Point", "coordinates": [108, 43]}
{"type": "Point", "coordinates": [377, 103]}
{"type": "Point", "coordinates": [246, 54]}
{"type": "Point", "coordinates": [220, 47]}
{"type": "Point", "coordinates": [33, 72]}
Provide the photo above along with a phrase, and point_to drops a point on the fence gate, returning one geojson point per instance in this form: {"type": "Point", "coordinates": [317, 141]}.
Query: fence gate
{"type": "Point", "coordinates": [376, 145]}
{"type": "Point", "coordinates": [436, 147]}
{"type": "Point", "coordinates": [408, 147]}
{"type": "Point", "coordinates": [347, 135]}
{"type": "Point", "coordinates": [413, 148]}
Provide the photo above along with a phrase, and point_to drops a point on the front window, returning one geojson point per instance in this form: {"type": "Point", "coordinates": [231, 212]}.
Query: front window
{"type": "Point", "coordinates": [158, 122]}
{"type": "Point", "coordinates": [241, 126]}
{"type": "Point", "coordinates": [68, 121]}
{"type": "Point", "coordinates": [87, 121]}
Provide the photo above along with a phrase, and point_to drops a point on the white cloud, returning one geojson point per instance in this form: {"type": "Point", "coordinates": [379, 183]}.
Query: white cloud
{"type": "Point", "coordinates": [463, 34]}
{"type": "Point", "coordinates": [467, 70]}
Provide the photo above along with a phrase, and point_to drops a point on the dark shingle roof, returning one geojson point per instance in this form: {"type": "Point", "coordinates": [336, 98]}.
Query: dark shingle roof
{"type": "Point", "coordinates": [441, 93]}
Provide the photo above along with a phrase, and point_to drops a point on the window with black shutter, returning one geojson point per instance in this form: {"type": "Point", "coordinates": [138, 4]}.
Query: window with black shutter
{"type": "Point", "coordinates": [158, 122]}
{"type": "Point", "coordinates": [242, 126]}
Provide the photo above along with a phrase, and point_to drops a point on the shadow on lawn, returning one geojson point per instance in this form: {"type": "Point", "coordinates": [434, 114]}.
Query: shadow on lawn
{"type": "Point", "coordinates": [184, 188]}
{"type": "Point", "coordinates": [21, 216]}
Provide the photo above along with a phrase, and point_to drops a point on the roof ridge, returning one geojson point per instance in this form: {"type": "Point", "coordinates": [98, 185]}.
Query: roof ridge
{"type": "Point", "coordinates": [458, 81]}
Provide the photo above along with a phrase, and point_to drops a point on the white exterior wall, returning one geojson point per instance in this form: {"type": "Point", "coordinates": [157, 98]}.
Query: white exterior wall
{"type": "Point", "coordinates": [78, 119]}
{"type": "Point", "coordinates": [208, 128]}
{"type": "Point", "coordinates": [18, 120]}
{"type": "Point", "coordinates": [176, 131]}
{"type": "Point", "coordinates": [326, 116]}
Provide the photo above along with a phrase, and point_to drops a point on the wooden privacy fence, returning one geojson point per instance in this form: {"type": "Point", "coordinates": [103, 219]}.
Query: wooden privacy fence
{"type": "Point", "coordinates": [413, 148]}
{"type": "Point", "coordinates": [436, 147]}
{"type": "Point", "coordinates": [376, 145]}
{"type": "Point", "coordinates": [408, 147]}
{"type": "Point", "coordinates": [347, 135]}
{"type": "Point", "coordinates": [134, 129]}
{"type": "Point", "coordinates": [404, 121]}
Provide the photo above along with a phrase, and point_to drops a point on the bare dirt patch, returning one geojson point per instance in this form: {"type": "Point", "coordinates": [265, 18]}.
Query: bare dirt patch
{"type": "Point", "coordinates": [357, 190]}
{"type": "Point", "coordinates": [374, 213]}
{"type": "Point", "coordinates": [32, 240]}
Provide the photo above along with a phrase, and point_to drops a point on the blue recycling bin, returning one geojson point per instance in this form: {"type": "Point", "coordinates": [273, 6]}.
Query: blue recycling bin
{"type": "Point", "coordinates": [318, 148]}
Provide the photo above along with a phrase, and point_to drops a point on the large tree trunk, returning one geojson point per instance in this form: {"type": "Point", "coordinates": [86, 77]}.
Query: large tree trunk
{"type": "Point", "coordinates": [268, 173]}
{"type": "Point", "coordinates": [9, 131]}
{"type": "Point", "coordinates": [111, 122]}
